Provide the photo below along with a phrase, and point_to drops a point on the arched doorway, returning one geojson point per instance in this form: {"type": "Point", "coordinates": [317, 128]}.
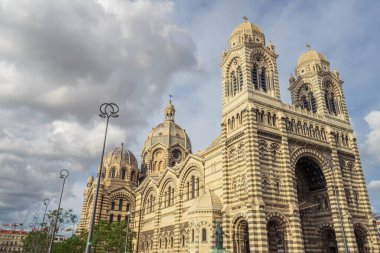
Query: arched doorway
{"type": "Point", "coordinates": [313, 201]}
{"type": "Point", "coordinates": [276, 237]}
{"type": "Point", "coordinates": [361, 237]}
{"type": "Point", "coordinates": [240, 237]}
{"type": "Point", "coordinates": [329, 244]}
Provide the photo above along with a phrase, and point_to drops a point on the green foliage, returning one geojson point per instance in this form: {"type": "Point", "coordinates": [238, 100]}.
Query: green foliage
{"type": "Point", "coordinates": [65, 217]}
{"type": "Point", "coordinates": [36, 241]}
{"type": "Point", "coordinates": [75, 244]}
{"type": "Point", "coordinates": [107, 237]}
{"type": "Point", "coordinates": [111, 237]}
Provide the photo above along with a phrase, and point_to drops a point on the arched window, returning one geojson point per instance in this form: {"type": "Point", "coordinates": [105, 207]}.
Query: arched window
{"type": "Point", "coordinates": [307, 99]}
{"type": "Point", "coordinates": [183, 240]}
{"type": "Point", "coordinates": [277, 184]}
{"type": "Point", "coordinates": [330, 100]}
{"type": "Point", "coordinates": [123, 171]}
{"type": "Point", "coordinates": [193, 187]}
{"type": "Point", "coordinates": [172, 197]}
{"type": "Point", "coordinates": [204, 235]}
{"type": "Point", "coordinates": [111, 218]}
{"type": "Point", "coordinates": [313, 103]}
{"type": "Point", "coordinates": [192, 235]}
{"type": "Point", "coordinates": [169, 196]}
{"type": "Point", "coordinates": [166, 243]}
{"type": "Point", "coordinates": [265, 185]}
{"type": "Point", "coordinates": [240, 74]}
{"type": "Point", "coordinates": [255, 78]}
{"type": "Point", "coordinates": [305, 103]}
{"type": "Point", "coordinates": [119, 218]}
{"type": "Point", "coordinates": [188, 190]}
{"type": "Point", "coordinates": [120, 204]}
{"type": "Point", "coordinates": [263, 80]}
{"type": "Point", "coordinates": [171, 242]}
{"type": "Point", "coordinates": [113, 205]}
{"type": "Point", "coordinates": [113, 173]}
{"type": "Point", "coordinates": [132, 176]}
{"type": "Point", "coordinates": [234, 83]}
{"type": "Point", "coordinates": [127, 208]}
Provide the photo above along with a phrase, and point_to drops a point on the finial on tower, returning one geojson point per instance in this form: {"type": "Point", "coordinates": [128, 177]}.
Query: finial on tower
{"type": "Point", "coordinates": [308, 46]}
{"type": "Point", "coordinates": [245, 19]}
{"type": "Point", "coordinates": [169, 110]}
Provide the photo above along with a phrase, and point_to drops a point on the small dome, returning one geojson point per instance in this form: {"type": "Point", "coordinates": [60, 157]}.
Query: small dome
{"type": "Point", "coordinates": [246, 32]}
{"type": "Point", "coordinates": [246, 27]}
{"type": "Point", "coordinates": [311, 62]}
{"type": "Point", "coordinates": [119, 158]}
{"type": "Point", "coordinates": [90, 180]}
{"type": "Point", "coordinates": [311, 56]}
{"type": "Point", "coordinates": [169, 111]}
{"type": "Point", "coordinates": [207, 202]}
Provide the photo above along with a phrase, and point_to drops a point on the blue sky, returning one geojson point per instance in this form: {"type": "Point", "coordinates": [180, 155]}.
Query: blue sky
{"type": "Point", "coordinates": [59, 62]}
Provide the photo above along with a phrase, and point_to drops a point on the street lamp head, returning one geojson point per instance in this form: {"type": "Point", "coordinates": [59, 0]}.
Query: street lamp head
{"type": "Point", "coordinates": [36, 216]}
{"type": "Point", "coordinates": [64, 174]}
{"type": "Point", "coordinates": [46, 202]}
{"type": "Point", "coordinates": [109, 110]}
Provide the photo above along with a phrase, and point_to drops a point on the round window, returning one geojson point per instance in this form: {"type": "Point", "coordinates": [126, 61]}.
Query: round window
{"type": "Point", "coordinates": [176, 154]}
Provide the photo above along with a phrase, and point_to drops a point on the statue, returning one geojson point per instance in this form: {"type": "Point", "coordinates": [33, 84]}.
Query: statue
{"type": "Point", "coordinates": [219, 236]}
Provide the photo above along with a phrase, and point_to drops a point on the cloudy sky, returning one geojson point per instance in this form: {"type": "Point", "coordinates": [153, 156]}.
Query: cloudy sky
{"type": "Point", "coordinates": [59, 60]}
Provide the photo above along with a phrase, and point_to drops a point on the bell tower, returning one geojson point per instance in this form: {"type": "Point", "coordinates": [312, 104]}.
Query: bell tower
{"type": "Point", "coordinates": [249, 68]}
{"type": "Point", "coordinates": [316, 88]}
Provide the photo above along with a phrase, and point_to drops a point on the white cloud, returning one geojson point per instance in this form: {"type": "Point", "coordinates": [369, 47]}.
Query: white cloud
{"type": "Point", "coordinates": [59, 62]}
{"type": "Point", "coordinates": [371, 145]}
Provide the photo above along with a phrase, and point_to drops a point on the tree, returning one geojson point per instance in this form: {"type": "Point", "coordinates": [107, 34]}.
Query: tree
{"type": "Point", "coordinates": [75, 244]}
{"type": "Point", "coordinates": [65, 217]}
{"type": "Point", "coordinates": [110, 237]}
{"type": "Point", "coordinates": [35, 241]}
{"type": "Point", "coordinates": [38, 239]}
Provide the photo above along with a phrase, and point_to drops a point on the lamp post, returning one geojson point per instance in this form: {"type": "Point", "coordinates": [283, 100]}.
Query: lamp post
{"type": "Point", "coordinates": [107, 110]}
{"type": "Point", "coordinates": [126, 235]}
{"type": "Point", "coordinates": [328, 160]}
{"type": "Point", "coordinates": [46, 203]}
{"type": "Point", "coordinates": [35, 218]}
{"type": "Point", "coordinates": [64, 174]}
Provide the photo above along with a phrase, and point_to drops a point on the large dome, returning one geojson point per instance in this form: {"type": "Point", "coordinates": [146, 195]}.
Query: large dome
{"type": "Point", "coordinates": [120, 157]}
{"type": "Point", "coordinates": [168, 133]}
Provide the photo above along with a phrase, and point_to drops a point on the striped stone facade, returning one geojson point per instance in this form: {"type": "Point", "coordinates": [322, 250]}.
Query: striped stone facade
{"type": "Point", "coordinates": [278, 178]}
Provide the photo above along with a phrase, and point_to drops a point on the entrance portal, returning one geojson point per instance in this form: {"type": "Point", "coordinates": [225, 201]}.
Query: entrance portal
{"type": "Point", "coordinates": [312, 201]}
{"type": "Point", "coordinates": [276, 237]}
{"type": "Point", "coordinates": [361, 240]}
{"type": "Point", "coordinates": [241, 237]}
{"type": "Point", "coordinates": [329, 244]}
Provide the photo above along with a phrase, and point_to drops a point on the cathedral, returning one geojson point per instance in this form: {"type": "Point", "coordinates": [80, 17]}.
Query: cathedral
{"type": "Point", "coordinates": [278, 177]}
